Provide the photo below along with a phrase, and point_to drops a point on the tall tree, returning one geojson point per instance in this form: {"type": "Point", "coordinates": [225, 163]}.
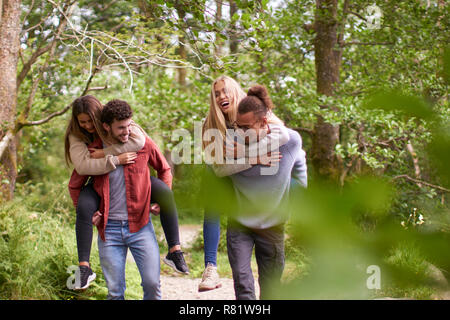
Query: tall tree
{"type": "Point", "coordinates": [327, 61]}
{"type": "Point", "coordinates": [35, 78]}
{"type": "Point", "coordinates": [10, 29]}
{"type": "Point", "coordinates": [233, 38]}
{"type": "Point", "coordinates": [181, 46]}
{"type": "Point", "coordinates": [218, 49]}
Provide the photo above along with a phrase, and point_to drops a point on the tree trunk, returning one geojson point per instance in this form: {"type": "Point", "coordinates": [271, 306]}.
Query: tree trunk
{"type": "Point", "coordinates": [327, 62]}
{"type": "Point", "coordinates": [219, 42]}
{"type": "Point", "coordinates": [233, 38]}
{"type": "Point", "coordinates": [182, 70]}
{"type": "Point", "coordinates": [10, 28]}
{"type": "Point", "coordinates": [181, 49]}
{"type": "Point", "coordinates": [441, 46]}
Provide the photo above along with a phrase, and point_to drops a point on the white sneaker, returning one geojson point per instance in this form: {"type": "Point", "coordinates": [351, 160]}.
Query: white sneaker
{"type": "Point", "coordinates": [210, 279]}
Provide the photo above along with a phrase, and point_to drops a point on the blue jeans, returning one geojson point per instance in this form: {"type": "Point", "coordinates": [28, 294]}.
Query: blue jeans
{"type": "Point", "coordinates": [211, 230]}
{"type": "Point", "coordinates": [211, 237]}
{"type": "Point", "coordinates": [113, 253]}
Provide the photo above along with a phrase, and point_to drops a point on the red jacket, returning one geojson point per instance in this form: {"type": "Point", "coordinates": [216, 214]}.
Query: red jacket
{"type": "Point", "coordinates": [137, 184]}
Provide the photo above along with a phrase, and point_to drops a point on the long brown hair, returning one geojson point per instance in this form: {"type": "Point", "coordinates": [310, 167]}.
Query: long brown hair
{"type": "Point", "coordinates": [91, 106]}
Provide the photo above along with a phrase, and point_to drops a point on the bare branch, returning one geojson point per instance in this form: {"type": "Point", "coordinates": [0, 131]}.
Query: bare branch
{"type": "Point", "coordinates": [413, 154]}
{"type": "Point", "coordinates": [306, 130]}
{"type": "Point", "coordinates": [98, 88]}
{"type": "Point", "coordinates": [358, 15]}
{"type": "Point", "coordinates": [26, 16]}
{"type": "Point", "coordinates": [21, 124]}
{"type": "Point", "coordinates": [47, 119]}
{"type": "Point", "coordinates": [51, 50]}
{"type": "Point", "coordinates": [405, 176]}
{"type": "Point", "coordinates": [27, 66]}
{"type": "Point", "coordinates": [340, 36]}
{"type": "Point", "coordinates": [106, 7]}
{"type": "Point", "coordinates": [349, 43]}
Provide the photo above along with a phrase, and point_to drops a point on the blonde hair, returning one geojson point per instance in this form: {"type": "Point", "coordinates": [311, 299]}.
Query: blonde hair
{"type": "Point", "coordinates": [215, 118]}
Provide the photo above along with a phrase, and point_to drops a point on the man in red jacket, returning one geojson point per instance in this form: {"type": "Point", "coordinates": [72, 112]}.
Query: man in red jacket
{"type": "Point", "coordinates": [124, 221]}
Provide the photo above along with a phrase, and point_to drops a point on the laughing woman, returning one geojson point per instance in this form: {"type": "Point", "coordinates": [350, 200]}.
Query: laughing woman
{"type": "Point", "coordinates": [84, 127]}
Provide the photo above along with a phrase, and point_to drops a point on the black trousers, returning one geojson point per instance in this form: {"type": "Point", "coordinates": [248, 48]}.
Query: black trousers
{"type": "Point", "coordinates": [269, 253]}
{"type": "Point", "coordinates": [89, 202]}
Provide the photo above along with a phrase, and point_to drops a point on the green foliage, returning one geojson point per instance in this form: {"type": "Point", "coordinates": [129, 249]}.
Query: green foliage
{"type": "Point", "coordinates": [393, 92]}
{"type": "Point", "coordinates": [36, 248]}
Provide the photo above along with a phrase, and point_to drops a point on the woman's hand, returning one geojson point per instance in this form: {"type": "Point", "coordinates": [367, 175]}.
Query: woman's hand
{"type": "Point", "coordinates": [270, 159]}
{"type": "Point", "coordinates": [96, 153]}
{"type": "Point", "coordinates": [127, 157]}
{"type": "Point", "coordinates": [235, 151]}
{"type": "Point", "coordinates": [155, 209]}
{"type": "Point", "coordinates": [97, 218]}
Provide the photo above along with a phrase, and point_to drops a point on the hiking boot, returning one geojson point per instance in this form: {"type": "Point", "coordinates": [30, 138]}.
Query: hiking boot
{"type": "Point", "coordinates": [210, 279]}
{"type": "Point", "coordinates": [176, 261]}
{"type": "Point", "coordinates": [86, 277]}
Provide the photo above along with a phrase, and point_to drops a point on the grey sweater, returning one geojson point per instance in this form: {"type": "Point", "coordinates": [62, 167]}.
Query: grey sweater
{"type": "Point", "coordinates": [263, 192]}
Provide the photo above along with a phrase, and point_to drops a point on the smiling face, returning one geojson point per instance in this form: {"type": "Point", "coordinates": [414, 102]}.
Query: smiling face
{"type": "Point", "coordinates": [85, 122]}
{"type": "Point", "coordinates": [222, 99]}
{"type": "Point", "coordinates": [119, 130]}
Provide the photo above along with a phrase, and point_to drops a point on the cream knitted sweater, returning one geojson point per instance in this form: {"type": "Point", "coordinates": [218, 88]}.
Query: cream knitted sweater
{"type": "Point", "coordinates": [85, 165]}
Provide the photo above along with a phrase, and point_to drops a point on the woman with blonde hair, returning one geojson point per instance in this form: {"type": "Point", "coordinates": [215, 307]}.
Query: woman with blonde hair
{"type": "Point", "coordinates": [225, 96]}
{"type": "Point", "coordinates": [83, 128]}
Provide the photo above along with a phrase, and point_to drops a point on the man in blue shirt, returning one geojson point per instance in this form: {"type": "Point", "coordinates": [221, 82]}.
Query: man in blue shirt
{"type": "Point", "coordinates": [263, 200]}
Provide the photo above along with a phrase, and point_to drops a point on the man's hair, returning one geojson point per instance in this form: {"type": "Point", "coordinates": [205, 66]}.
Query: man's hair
{"type": "Point", "coordinates": [257, 101]}
{"type": "Point", "coordinates": [116, 110]}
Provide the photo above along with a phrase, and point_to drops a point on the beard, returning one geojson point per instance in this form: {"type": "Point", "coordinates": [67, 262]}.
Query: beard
{"type": "Point", "coordinates": [121, 138]}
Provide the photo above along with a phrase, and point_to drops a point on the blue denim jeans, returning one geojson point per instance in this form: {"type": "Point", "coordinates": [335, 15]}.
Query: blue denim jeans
{"type": "Point", "coordinates": [211, 237]}
{"type": "Point", "coordinates": [211, 230]}
{"type": "Point", "coordinates": [145, 251]}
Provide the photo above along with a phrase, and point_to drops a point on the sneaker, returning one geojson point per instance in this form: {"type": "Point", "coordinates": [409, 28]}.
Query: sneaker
{"type": "Point", "coordinates": [176, 261]}
{"type": "Point", "coordinates": [210, 279]}
{"type": "Point", "coordinates": [86, 277]}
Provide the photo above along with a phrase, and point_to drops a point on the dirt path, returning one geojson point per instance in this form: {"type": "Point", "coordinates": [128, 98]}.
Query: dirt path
{"type": "Point", "coordinates": [183, 288]}
{"type": "Point", "coordinates": [178, 287]}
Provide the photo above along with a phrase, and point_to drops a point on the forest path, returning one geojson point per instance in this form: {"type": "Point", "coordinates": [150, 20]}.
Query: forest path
{"type": "Point", "coordinates": [180, 287]}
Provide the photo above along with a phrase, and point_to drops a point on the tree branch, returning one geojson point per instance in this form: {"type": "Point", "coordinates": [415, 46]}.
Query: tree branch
{"type": "Point", "coordinates": [413, 154]}
{"type": "Point", "coordinates": [340, 36]}
{"type": "Point", "coordinates": [405, 176]}
{"type": "Point", "coordinates": [22, 124]}
{"type": "Point", "coordinates": [51, 49]}
{"type": "Point", "coordinates": [27, 66]}
{"type": "Point", "coordinates": [98, 88]}
{"type": "Point", "coordinates": [358, 15]}
{"type": "Point", "coordinates": [47, 119]}
{"type": "Point", "coordinates": [306, 130]}
{"type": "Point", "coordinates": [349, 43]}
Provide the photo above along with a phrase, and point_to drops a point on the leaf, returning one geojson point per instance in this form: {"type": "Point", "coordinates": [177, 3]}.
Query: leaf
{"type": "Point", "coordinates": [395, 101]}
